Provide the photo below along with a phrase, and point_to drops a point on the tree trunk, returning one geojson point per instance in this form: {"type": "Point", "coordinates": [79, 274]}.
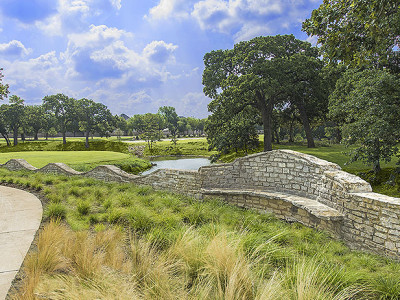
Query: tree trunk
{"type": "Point", "coordinates": [276, 135]}
{"type": "Point", "coordinates": [23, 137]}
{"type": "Point", "coordinates": [266, 108]}
{"type": "Point", "coordinates": [15, 136]}
{"type": "Point", "coordinates": [87, 139]}
{"type": "Point", "coordinates": [47, 135]}
{"type": "Point", "coordinates": [36, 136]}
{"type": "Point", "coordinates": [6, 138]}
{"type": "Point", "coordinates": [64, 138]}
{"type": "Point", "coordinates": [291, 131]}
{"type": "Point", "coordinates": [306, 125]}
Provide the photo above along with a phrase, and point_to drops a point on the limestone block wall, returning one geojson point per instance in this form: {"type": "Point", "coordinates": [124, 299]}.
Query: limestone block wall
{"type": "Point", "coordinates": [292, 185]}
{"type": "Point", "coordinates": [180, 181]}
{"type": "Point", "coordinates": [110, 173]}
{"type": "Point", "coordinates": [370, 221]}
{"type": "Point", "coordinates": [282, 171]}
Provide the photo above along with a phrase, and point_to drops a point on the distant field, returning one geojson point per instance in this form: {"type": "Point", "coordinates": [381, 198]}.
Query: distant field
{"type": "Point", "coordinates": [41, 158]}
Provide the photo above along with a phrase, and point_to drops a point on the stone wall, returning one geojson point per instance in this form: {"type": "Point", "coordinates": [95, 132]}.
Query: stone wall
{"type": "Point", "coordinates": [293, 186]}
{"type": "Point", "coordinates": [179, 181]}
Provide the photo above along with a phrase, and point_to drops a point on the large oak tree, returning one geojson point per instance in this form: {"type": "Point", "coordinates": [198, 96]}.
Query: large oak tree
{"type": "Point", "coordinates": [261, 73]}
{"type": "Point", "coordinates": [358, 33]}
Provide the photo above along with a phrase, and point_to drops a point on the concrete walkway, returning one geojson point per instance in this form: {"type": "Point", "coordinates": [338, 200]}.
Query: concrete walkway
{"type": "Point", "coordinates": [20, 217]}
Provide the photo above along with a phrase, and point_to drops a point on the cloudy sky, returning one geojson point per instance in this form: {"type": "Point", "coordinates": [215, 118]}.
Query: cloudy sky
{"type": "Point", "coordinates": [132, 55]}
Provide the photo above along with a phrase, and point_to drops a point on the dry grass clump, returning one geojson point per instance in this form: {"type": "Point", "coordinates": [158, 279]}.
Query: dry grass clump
{"type": "Point", "coordinates": [112, 264]}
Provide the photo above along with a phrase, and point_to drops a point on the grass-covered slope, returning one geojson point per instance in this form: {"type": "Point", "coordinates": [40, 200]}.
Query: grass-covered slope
{"type": "Point", "coordinates": [71, 145]}
{"type": "Point", "coordinates": [121, 241]}
{"type": "Point", "coordinates": [80, 160]}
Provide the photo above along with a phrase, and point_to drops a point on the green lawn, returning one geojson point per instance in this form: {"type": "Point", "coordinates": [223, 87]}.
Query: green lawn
{"type": "Point", "coordinates": [41, 158]}
{"type": "Point", "coordinates": [80, 160]}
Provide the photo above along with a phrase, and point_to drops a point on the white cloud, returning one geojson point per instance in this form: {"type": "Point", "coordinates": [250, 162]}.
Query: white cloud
{"type": "Point", "coordinates": [96, 36]}
{"type": "Point", "coordinates": [243, 19]}
{"type": "Point", "coordinates": [193, 104]}
{"type": "Point", "coordinates": [169, 9]}
{"type": "Point", "coordinates": [217, 15]}
{"type": "Point", "coordinates": [159, 51]}
{"type": "Point", "coordinates": [45, 76]}
{"type": "Point", "coordinates": [116, 3]}
{"type": "Point", "coordinates": [14, 48]}
{"type": "Point", "coordinates": [72, 14]}
{"type": "Point", "coordinates": [249, 31]}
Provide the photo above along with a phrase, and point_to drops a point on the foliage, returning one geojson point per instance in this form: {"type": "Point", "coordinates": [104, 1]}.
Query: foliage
{"type": "Point", "coordinates": [368, 105]}
{"type": "Point", "coordinates": [171, 118]}
{"type": "Point", "coordinates": [92, 117]}
{"type": "Point", "coordinates": [63, 108]}
{"type": "Point", "coordinates": [3, 87]}
{"type": "Point", "coordinates": [226, 133]}
{"type": "Point", "coordinates": [358, 33]}
{"type": "Point", "coordinates": [14, 115]}
{"type": "Point", "coordinates": [165, 246]}
{"type": "Point", "coordinates": [260, 73]}
{"type": "Point", "coordinates": [35, 119]}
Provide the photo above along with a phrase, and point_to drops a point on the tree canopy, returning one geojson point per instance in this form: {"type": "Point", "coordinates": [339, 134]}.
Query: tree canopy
{"type": "Point", "coordinates": [92, 117]}
{"type": "Point", "coordinates": [358, 33]}
{"type": "Point", "coordinates": [3, 87]}
{"type": "Point", "coordinates": [367, 103]}
{"type": "Point", "coordinates": [260, 73]}
{"type": "Point", "coordinates": [64, 110]}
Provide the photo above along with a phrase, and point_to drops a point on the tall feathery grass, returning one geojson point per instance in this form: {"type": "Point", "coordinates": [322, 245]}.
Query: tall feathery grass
{"type": "Point", "coordinates": [120, 241]}
{"type": "Point", "coordinates": [112, 264]}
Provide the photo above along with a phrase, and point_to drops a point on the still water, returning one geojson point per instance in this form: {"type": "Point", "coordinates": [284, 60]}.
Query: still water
{"type": "Point", "coordinates": [177, 163]}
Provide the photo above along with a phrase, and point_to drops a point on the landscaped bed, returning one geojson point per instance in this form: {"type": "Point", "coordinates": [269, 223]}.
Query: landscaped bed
{"type": "Point", "coordinates": [121, 241]}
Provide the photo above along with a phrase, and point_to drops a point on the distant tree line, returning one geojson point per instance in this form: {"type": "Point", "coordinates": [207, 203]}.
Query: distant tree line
{"type": "Point", "coordinates": [346, 91]}
{"type": "Point", "coordinates": [165, 123]}
{"type": "Point", "coordinates": [59, 114]}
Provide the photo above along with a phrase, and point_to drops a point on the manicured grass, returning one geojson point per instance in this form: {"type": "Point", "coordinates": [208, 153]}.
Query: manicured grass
{"type": "Point", "coordinates": [41, 158]}
{"type": "Point", "coordinates": [80, 160]}
{"type": "Point", "coordinates": [78, 145]}
{"type": "Point", "coordinates": [158, 245]}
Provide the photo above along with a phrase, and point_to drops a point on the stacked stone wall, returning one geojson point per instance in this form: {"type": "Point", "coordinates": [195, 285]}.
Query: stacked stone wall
{"type": "Point", "coordinates": [294, 186]}
{"type": "Point", "coordinates": [180, 181]}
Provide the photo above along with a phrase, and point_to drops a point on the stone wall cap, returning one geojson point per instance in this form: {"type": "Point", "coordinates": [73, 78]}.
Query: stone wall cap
{"type": "Point", "coordinates": [61, 166]}
{"type": "Point", "coordinates": [179, 171]}
{"type": "Point", "coordinates": [351, 183]}
{"type": "Point", "coordinates": [312, 159]}
{"type": "Point", "coordinates": [22, 163]}
{"type": "Point", "coordinates": [312, 206]}
{"type": "Point", "coordinates": [112, 169]}
{"type": "Point", "coordinates": [379, 197]}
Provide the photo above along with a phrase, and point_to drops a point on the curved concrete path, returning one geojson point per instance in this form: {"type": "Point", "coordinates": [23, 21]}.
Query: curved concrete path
{"type": "Point", "coordinates": [20, 217]}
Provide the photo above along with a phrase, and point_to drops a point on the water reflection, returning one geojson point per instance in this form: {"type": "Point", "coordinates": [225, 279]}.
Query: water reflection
{"type": "Point", "coordinates": [177, 163]}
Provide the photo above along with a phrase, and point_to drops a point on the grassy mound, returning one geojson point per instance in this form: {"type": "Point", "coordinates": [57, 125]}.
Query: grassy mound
{"type": "Point", "coordinates": [80, 160]}
{"type": "Point", "coordinates": [121, 241]}
{"type": "Point", "coordinates": [77, 145]}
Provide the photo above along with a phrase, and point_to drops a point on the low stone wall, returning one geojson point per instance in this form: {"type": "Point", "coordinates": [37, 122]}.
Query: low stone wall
{"type": "Point", "coordinates": [179, 181]}
{"type": "Point", "coordinates": [292, 185]}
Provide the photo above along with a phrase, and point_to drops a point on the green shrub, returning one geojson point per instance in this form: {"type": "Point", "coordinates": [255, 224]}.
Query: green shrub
{"type": "Point", "coordinates": [83, 208]}
{"type": "Point", "coordinates": [56, 211]}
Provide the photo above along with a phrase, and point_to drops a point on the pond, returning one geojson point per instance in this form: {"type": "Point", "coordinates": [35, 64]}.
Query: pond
{"type": "Point", "coordinates": [177, 163]}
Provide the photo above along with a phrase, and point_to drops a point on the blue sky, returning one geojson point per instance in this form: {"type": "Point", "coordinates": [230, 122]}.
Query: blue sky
{"type": "Point", "coordinates": [132, 55]}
